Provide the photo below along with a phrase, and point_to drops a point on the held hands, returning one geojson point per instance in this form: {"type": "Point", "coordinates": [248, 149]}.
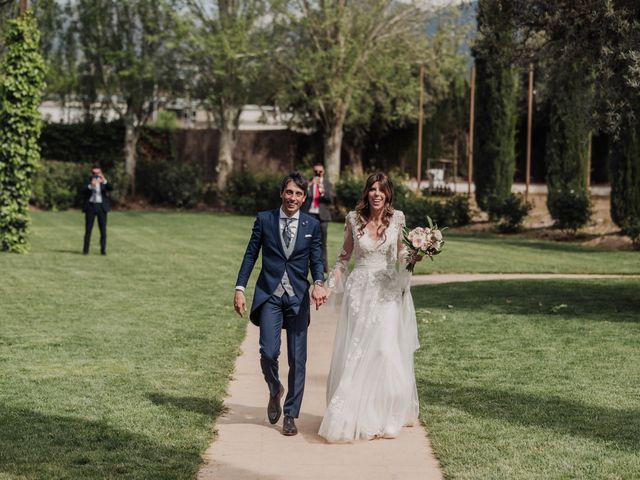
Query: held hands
{"type": "Point", "coordinates": [239, 303]}
{"type": "Point", "coordinates": [319, 295]}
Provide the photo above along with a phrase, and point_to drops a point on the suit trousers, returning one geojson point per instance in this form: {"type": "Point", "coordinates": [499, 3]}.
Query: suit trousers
{"type": "Point", "coordinates": [292, 314]}
{"type": "Point", "coordinates": [324, 229]}
{"type": "Point", "coordinates": [94, 210]}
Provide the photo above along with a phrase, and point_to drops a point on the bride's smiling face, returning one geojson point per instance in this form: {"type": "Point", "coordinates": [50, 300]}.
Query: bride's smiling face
{"type": "Point", "coordinates": [377, 197]}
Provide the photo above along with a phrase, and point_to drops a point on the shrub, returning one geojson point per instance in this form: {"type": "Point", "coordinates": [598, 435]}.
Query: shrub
{"type": "Point", "coordinates": [509, 212]}
{"type": "Point", "coordinates": [100, 143]}
{"type": "Point", "coordinates": [348, 191]}
{"type": "Point", "coordinates": [22, 72]}
{"type": "Point", "coordinates": [169, 183]}
{"type": "Point", "coordinates": [59, 185]}
{"type": "Point", "coordinates": [570, 209]}
{"type": "Point", "coordinates": [249, 193]}
{"type": "Point", "coordinates": [633, 231]}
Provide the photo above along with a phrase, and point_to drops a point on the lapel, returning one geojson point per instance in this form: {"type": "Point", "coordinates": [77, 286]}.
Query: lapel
{"type": "Point", "coordinates": [303, 226]}
{"type": "Point", "coordinates": [276, 231]}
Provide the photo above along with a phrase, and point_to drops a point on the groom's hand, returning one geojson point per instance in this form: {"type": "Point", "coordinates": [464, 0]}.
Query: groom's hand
{"type": "Point", "coordinates": [319, 295]}
{"type": "Point", "coordinates": [239, 303]}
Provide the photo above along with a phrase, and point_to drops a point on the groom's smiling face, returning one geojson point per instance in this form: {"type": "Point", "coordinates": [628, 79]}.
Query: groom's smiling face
{"type": "Point", "coordinates": [292, 198]}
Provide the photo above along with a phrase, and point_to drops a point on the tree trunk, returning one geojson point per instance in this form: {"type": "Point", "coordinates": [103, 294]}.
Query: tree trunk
{"type": "Point", "coordinates": [333, 144]}
{"type": "Point", "coordinates": [130, 143]}
{"type": "Point", "coordinates": [226, 146]}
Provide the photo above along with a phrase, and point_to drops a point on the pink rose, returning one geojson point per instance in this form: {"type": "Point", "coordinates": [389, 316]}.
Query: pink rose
{"type": "Point", "coordinates": [438, 235]}
{"type": "Point", "coordinates": [418, 241]}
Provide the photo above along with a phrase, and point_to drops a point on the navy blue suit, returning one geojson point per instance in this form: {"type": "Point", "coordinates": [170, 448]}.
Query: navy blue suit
{"type": "Point", "coordinates": [273, 313]}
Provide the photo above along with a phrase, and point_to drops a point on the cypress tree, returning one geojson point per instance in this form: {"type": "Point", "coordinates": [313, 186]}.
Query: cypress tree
{"type": "Point", "coordinates": [496, 104]}
{"type": "Point", "coordinates": [625, 179]}
{"type": "Point", "coordinates": [571, 103]}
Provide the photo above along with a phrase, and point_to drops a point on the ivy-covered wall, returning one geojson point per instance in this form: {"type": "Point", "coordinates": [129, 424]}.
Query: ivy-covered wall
{"type": "Point", "coordinates": [21, 84]}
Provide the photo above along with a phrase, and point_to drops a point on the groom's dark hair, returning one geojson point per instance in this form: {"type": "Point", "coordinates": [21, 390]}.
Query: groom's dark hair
{"type": "Point", "coordinates": [297, 178]}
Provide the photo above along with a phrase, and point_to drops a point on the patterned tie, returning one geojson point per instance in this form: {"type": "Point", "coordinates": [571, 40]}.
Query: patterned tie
{"type": "Point", "coordinates": [287, 234]}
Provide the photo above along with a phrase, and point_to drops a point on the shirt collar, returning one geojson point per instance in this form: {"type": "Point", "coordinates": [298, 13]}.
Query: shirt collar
{"type": "Point", "coordinates": [295, 216]}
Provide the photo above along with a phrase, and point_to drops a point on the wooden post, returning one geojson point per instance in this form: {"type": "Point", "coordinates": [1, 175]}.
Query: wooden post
{"type": "Point", "coordinates": [23, 6]}
{"type": "Point", "coordinates": [529, 128]}
{"type": "Point", "coordinates": [420, 125]}
{"type": "Point", "coordinates": [455, 164]}
{"type": "Point", "coordinates": [588, 172]}
{"type": "Point", "coordinates": [471, 119]}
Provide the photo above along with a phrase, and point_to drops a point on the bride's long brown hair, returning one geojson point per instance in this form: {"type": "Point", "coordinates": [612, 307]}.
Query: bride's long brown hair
{"type": "Point", "coordinates": [363, 210]}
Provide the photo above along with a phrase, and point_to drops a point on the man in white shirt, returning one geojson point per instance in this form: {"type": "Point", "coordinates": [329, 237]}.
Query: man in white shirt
{"type": "Point", "coordinates": [96, 204]}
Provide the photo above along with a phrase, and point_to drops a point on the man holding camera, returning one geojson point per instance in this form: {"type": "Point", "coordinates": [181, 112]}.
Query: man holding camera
{"type": "Point", "coordinates": [318, 204]}
{"type": "Point", "coordinates": [96, 204]}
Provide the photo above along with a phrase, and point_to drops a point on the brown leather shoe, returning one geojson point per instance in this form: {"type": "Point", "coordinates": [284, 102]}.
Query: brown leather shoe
{"type": "Point", "coordinates": [289, 426]}
{"type": "Point", "coordinates": [274, 409]}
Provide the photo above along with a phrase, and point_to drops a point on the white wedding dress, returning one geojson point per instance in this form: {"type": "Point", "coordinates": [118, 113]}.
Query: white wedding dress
{"type": "Point", "coordinates": [371, 390]}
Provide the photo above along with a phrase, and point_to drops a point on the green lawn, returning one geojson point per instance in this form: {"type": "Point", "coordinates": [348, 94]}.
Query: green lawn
{"type": "Point", "coordinates": [531, 379]}
{"type": "Point", "coordinates": [491, 253]}
{"type": "Point", "coordinates": [115, 367]}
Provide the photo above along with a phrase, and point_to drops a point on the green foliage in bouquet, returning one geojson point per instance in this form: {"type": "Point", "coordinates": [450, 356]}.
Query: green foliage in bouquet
{"type": "Point", "coordinates": [21, 83]}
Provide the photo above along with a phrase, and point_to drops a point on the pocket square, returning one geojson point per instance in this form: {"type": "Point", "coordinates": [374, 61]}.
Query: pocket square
{"type": "Point", "coordinates": [308, 235]}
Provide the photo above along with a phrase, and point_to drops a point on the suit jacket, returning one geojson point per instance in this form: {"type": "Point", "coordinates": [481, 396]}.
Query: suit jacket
{"type": "Point", "coordinates": [324, 202]}
{"type": "Point", "coordinates": [307, 254]}
{"type": "Point", "coordinates": [106, 202]}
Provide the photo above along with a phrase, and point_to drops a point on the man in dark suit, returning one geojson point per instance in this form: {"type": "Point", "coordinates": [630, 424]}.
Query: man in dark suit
{"type": "Point", "coordinates": [318, 205]}
{"type": "Point", "coordinates": [96, 204]}
{"type": "Point", "coordinates": [291, 245]}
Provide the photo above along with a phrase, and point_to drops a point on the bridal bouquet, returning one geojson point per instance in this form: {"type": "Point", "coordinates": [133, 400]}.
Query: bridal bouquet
{"type": "Point", "coordinates": [422, 241]}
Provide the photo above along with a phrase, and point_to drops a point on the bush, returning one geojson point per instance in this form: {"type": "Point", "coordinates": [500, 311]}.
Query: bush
{"type": "Point", "coordinates": [348, 191]}
{"type": "Point", "coordinates": [570, 209]}
{"type": "Point", "coordinates": [60, 185]}
{"type": "Point", "coordinates": [99, 143]}
{"type": "Point", "coordinates": [249, 193]}
{"type": "Point", "coordinates": [453, 212]}
{"type": "Point", "coordinates": [169, 183]}
{"type": "Point", "coordinates": [633, 231]}
{"type": "Point", "coordinates": [509, 212]}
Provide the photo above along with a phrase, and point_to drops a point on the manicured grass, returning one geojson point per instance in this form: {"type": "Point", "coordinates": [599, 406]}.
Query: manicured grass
{"type": "Point", "coordinates": [116, 367]}
{"type": "Point", "coordinates": [531, 379]}
{"type": "Point", "coordinates": [490, 253]}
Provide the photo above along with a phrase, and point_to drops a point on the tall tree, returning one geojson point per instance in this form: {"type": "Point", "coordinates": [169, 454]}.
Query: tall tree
{"type": "Point", "coordinates": [571, 108]}
{"type": "Point", "coordinates": [495, 114]}
{"type": "Point", "coordinates": [126, 60]}
{"type": "Point", "coordinates": [605, 36]}
{"type": "Point", "coordinates": [21, 83]}
{"type": "Point", "coordinates": [335, 49]}
{"type": "Point", "coordinates": [227, 50]}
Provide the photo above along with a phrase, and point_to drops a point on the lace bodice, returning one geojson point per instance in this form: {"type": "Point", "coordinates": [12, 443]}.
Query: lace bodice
{"type": "Point", "coordinates": [380, 254]}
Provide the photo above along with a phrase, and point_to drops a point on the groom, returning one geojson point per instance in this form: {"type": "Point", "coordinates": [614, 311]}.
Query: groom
{"type": "Point", "coordinates": [291, 244]}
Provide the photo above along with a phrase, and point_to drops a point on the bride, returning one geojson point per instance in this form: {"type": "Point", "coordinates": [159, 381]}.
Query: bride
{"type": "Point", "coordinates": [371, 390]}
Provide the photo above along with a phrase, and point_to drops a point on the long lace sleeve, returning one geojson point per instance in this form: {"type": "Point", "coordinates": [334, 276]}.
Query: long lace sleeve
{"type": "Point", "coordinates": [404, 275]}
{"type": "Point", "coordinates": [338, 275]}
